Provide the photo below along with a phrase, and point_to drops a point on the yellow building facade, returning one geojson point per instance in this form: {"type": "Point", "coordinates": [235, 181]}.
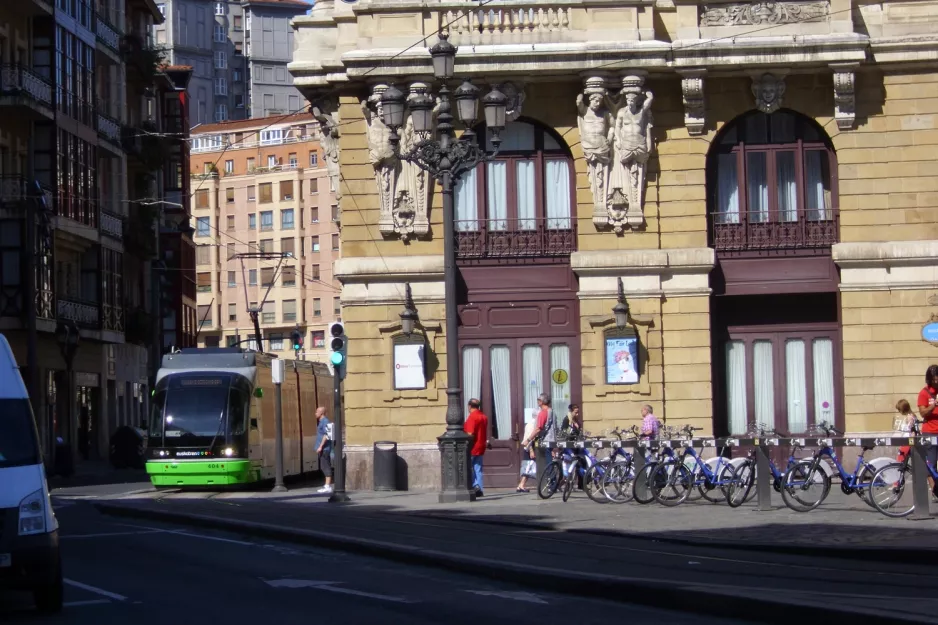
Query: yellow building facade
{"type": "Point", "coordinates": [771, 214]}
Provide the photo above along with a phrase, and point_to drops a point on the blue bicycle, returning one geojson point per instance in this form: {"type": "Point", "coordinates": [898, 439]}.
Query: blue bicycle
{"type": "Point", "coordinates": [742, 490]}
{"type": "Point", "coordinates": [569, 466]}
{"type": "Point", "coordinates": [672, 481]}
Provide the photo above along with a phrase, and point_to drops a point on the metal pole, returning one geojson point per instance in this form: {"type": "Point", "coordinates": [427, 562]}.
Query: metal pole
{"type": "Point", "coordinates": [454, 444]}
{"type": "Point", "coordinates": [919, 483]}
{"type": "Point", "coordinates": [338, 440]}
{"type": "Point", "coordinates": [29, 301]}
{"type": "Point", "coordinates": [763, 477]}
{"type": "Point", "coordinates": [278, 426]}
{"type": "Point", "coordinates": [155, 306]}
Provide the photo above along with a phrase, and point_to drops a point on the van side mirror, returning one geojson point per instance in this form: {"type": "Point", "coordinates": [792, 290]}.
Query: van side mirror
{"type": "Point", "coordinates": [253, 424]}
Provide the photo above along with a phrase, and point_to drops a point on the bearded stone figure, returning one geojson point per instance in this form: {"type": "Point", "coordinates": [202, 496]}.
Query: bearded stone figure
{"type": "Point", "coordinates": [382, 155]}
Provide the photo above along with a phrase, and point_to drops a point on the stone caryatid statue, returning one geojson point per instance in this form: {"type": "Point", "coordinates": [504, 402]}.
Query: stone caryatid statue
{"type": "Point", "coordinates": [632, 146]}
{"type": "Point", "coordinates": [411, 198]}
{"type": "Point", "coordinates": [329, 139]}
{"type": "Point", "coordinates": [382, 155]}
{"type": "Point", "coordinates": [595, 122]}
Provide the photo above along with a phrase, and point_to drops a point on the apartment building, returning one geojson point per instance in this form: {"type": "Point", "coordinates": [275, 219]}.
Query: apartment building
{"type": "Point", "coordinates": [92, 123]}
{"type": "Point", "coordinates": [263, 187]}
{"type": "Point", "coordinates": [238, 49]}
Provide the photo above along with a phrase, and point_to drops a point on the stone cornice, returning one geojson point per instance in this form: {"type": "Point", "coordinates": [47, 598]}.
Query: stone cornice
{"type": "Point", "coordinates": [643, 262]}
{"type": "Point", "coordinates": [388, 269]}
{"type": "Point", "coordinates": [886, 254]}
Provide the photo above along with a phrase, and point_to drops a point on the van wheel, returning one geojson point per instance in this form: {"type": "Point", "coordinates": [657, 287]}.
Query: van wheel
{"type": "Point", "coordinates": [48, 597]}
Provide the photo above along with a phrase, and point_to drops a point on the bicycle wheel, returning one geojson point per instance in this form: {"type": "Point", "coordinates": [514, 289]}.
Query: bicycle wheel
{"type": "Point", "coordinates": [738, 492]}
{"type": "Point", "coordinates": [671, 483]}
{"type": "Point", "coordinates": [802, 490]}
{"type": "Point", "coordinates": [724, 478]}
{"type": "Point", "coordinates": [567, 486]}
{"type": "Point", "coordinates": [593, 481]}
{"type": "Point", "coordinates": [693, 465]}
{"type": "Point", "coordinates": [550, 480]}
{"type": "Point", "coordinates": [864, 480]}
{"type": "Point", "coordinates": [641, 489]}
{"type": "Point", "coordinates": [618, 484]}
{"type": "Point", "coordinates": [891, 490]}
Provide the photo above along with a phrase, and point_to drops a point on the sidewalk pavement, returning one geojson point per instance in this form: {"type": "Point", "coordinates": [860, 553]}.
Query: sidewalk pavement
{"type": "Point", "coordinates": [678, 558]}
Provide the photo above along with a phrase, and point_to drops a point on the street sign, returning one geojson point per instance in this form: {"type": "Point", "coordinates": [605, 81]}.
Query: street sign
{"type": "Point", "coordinates": [930, 332]}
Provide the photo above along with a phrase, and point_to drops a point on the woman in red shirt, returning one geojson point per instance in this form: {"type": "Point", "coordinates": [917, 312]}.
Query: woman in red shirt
{"type": "Point", "coordinates": [927, 408]}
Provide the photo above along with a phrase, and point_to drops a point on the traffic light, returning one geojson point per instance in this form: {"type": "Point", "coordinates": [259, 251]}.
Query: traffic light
{"type": "Point", "coordinates": [339, 346]}
{"type": "Point", "coordinates": [296, 338]}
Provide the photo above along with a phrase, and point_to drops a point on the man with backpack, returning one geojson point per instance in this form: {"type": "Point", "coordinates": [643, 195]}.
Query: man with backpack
{"type": "Point", "coordinates": [546, 425]}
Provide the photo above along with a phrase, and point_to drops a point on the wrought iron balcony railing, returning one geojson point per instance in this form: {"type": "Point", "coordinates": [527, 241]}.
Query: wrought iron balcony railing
{"type": "Point", "coordinates": [20, 80]}
{"type": "Point", "coordinates": [84, 314]}
{"type": "Point", "coordinates": [774, 230]}
{"type": "Point", "coordinates": [15, 189]}
{"type": "Point", "coordinates": [107, 34]}
{"type": "Point", "coordinates": [109, 128]}
{"type": "Point", "coordinates": [112, 225]}
{"type": "Point", "coordinates": [515, 238]}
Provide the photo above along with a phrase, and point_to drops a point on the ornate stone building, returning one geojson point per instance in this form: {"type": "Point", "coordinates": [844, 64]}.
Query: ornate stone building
{"type": "Point", "coordinates": [760, 176]}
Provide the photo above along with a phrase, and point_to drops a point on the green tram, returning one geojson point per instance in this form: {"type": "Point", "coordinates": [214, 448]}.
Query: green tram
{"type": "Point", "coordinates": [212, 418]}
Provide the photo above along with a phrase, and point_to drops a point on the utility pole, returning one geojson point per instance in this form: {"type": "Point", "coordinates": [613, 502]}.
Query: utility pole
{"type": "Point", "coordinates": [338, 440]}
{"type": "Point", "coordinates": [276, 372]}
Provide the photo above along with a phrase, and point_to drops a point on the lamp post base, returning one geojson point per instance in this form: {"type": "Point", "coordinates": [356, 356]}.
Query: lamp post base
{"type": "Point", "coordinates": [339, 498]}
{"type": "Point", "coordinates": [454, 460]}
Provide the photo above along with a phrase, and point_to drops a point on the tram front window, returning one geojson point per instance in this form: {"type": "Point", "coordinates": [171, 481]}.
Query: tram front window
{"type": "Point", "coordinates": [193, 410]}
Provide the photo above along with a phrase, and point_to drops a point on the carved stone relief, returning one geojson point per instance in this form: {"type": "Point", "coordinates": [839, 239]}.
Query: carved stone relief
{"type": "Point", "coordinates": [616, 136]}
{"type": "Point", "coordinates": [845, 110]}
{"type": "Point", "coordinates": [692, 91]}
{"type": "Point", "coordinates": [758, 13]}
{"type": "Point", "coordinates": [326, 113]}
{"type": "Point", "coordinates": [769, 91]}
{"type": "Point", "coordinates": [516, 97]}
{"type": "Point", "coordinates": [403, 188]}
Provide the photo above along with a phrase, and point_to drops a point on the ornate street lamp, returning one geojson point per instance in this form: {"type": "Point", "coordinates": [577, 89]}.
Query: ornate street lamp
{"type": "Point", "coordinates": [409, 314]}
{"type": "Point", "coordinates": [447, 159]}
{"type": "Point", "coordinates": [621, 309]}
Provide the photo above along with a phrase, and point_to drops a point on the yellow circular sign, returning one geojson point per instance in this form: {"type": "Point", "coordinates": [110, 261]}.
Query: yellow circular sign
{"type": "Point", "coordinates": [559, 376]}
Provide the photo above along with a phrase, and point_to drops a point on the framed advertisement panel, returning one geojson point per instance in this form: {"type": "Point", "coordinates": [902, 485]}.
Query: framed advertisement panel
{"type": "Point", "coordinates": [621, 357]}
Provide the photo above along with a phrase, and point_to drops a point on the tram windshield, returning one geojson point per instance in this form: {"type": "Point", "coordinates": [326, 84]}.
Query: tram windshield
{"type": "Point", "coordinates": [198, 408]}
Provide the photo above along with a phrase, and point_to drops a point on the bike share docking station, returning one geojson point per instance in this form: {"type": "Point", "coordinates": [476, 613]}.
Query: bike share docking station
{"type": "Point", "coordinates": [763, 446]}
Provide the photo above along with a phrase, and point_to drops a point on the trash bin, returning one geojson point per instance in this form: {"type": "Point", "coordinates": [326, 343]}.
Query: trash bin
{"type": "Point", "coordinates": [385, 460]}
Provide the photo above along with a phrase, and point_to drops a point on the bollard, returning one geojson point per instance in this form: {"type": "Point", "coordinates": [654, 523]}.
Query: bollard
{"type": "Point", "coordinates": [919, 483]}
{"type": "Point", "coordinates": [763, 479]}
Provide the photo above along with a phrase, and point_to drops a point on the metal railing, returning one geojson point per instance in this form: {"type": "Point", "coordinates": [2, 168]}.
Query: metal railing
{"type": "Point", "coordinates": [113, 318]}
{"type": "Point", "coordinates": [237, 145]}
{"type": "Point", "coordinates": [109, 128]}
{"type": "Point", "coordinates": [107, 34]}
{"type": "Point", "coordinates": [775, 230]}
{"type": "Point", "coordinates": [20, 80]}
{"type": "Point", "coordinates": [84, 314]}
{"type": "Point", "coordinates": [515, 238]}
{"type": "Point", "coordinates": [16, 189]}
{"type": "Point", "coordinates": [112, 225]}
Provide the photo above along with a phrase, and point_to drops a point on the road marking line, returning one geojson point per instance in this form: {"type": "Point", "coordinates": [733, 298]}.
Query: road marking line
{"type": "Point", "coordinates": [75, 604]}
{"type": "Point", "coordinates": [97, 591]}
{"type": "Point", "coordinates": [330, 586]}
{"type": "Point", "coordinates": [158, 530]}
{"type": "Point", "coordinates": [108, 535]}
{"type": "Point", "coordinates": [528, 597]}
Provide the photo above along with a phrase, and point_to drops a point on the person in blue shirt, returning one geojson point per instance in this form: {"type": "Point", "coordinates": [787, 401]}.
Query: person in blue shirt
{"type": "Point", "coordinates": [324, 447]}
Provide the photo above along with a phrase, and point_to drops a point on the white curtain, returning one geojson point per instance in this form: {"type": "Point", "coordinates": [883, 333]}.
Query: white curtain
{"type": "Point", "coordinates": [763, 383]}
{"type": "Point", "coordinates": [795, 384]}
{"type": "Point", "coordinates": [533, 371]}
{"type": "Point", "coordinates": [471, 376]}
{"type": "Point", "coordinates": [524, 183]}
{"type": "Point", "coordinates": [816, 181]}
{"type": "Point", "coordinates": [557, 192]}
{"type": "Point", "coordinates": [560, 393]}
{"type": "Point", "coordinates": [757, 181]}
{"type": "Point", "coordinates": [497, 192]}
{"type": "Point", "coordinates": [787, 187]}
{"type": "Point", "coordinates": [467, 201]}
{"type": "Point", "coordinates": [501, 391]}
{"type": "Point", "coordinates": [736, 400]}
{"type": "Point", "coordinates": [727, 189]}
{"type": "Point", "coordinates": [823, 380]}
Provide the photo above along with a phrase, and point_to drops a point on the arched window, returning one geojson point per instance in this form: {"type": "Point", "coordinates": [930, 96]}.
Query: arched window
{"type": "Point", "coordinates": [773, 184]}
{"type": "Point", "coordinates": [528, 190]}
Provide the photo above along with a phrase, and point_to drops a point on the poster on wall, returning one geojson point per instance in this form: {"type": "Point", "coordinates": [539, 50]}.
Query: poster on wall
{"type": "Point", "coordinates": [409, 366]}
{"type": "Point", "coordinates": [622, 360]}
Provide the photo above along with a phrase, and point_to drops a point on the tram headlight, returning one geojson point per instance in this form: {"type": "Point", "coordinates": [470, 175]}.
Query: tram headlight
{"type": "Point", "coordinates": [229, 451]}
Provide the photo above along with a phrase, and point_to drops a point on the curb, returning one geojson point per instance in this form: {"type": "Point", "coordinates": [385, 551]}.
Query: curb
{"type": "Point", "coordinates": [664, 595]}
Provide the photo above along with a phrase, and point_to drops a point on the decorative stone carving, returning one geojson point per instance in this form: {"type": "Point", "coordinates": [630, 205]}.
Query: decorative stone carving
{"type": "Point", "coordinates": [692, 91]}
{"type": "Point", "coordinates": [769, 91]}
{"type": "Point", "coordinates": [845, 110]}
{"type": "Point", "coordinates": [403, 188]}
{"type": "Point", "coordinates": [326, 113]}
{"type": "Point", "coordinates": [516, 97]}
{"type": "Point", "coordinates": [617, 146]}
{"type": "Point", "coordinates": [758, 13]}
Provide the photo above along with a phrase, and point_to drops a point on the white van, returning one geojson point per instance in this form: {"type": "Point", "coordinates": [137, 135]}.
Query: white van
{"type": "Point", "coordinates": [29, 531]}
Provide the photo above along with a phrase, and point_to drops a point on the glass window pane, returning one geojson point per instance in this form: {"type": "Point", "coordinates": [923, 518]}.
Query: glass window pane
{"type": "Point", "coordinates": [730, 137]}
{"type": "Point", "coordinates": [467, 201]}
{"type": "Point", "coordinates": [11, 268]}
{"type": "Point", "coordinates": [500, 363]}
{"type": "Point", "coordinates": [516, 137]}
{"type": "Point", "coordinates": [471, 376]}
{"type": "Point", "coordinates": [532, 376]}
{"type": "Point", "coordinates": [823, 357]}
{"type": "Point", "coordinates": [550, 143]}
{"type": "Point", "coordinates": [787, 186]}
{"type": "Point", "coordinates": [796, 385]}
{"type": "Point", "coordinates": [783, 127]}
{"type": "Point", "coordinates": [817, 185]}
{"type": "Point", "coordinates": [727, 189]}
{"type": "Point", "coordinates": [736, 403]}
{"type": "Point", "coordinates": [757, 131]}
{"type": "Point", "coordinates": [557, 192]}
{"type": "Point", "coordinates": [497, 194]}
{"type": "Point", "coordinates": [524, 185]}
{"type": "Point", "coordinates": [763, 376]}
{"type": "Point", "coordinates": [560, 361]}
{"type": "Point", "coordinates": [757, 187]}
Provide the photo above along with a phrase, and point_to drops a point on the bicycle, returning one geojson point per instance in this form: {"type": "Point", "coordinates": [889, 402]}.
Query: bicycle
{"type": "Point", "coordinates": [741, 491]}
{"type": "Point", "coordinates": [615, 473]}
{"type": "Point", "coordinates": [807, 476]}
{"type": "Point", "coordinates": [674, 476]}
{"type": "Point", "coordinates": [892, 487]}
{"type": "Point", "coordinates": [642, 491]}
{"type": "Point", "coordinates": [567, 466]}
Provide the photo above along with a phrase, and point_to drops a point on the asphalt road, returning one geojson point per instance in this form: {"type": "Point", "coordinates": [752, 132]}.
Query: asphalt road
{"type": "Point", "coordinates": [151, 573]}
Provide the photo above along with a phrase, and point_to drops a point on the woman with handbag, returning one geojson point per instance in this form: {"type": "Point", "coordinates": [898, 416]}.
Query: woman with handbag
{"type": "Point", "coordinates": [528, 457]}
